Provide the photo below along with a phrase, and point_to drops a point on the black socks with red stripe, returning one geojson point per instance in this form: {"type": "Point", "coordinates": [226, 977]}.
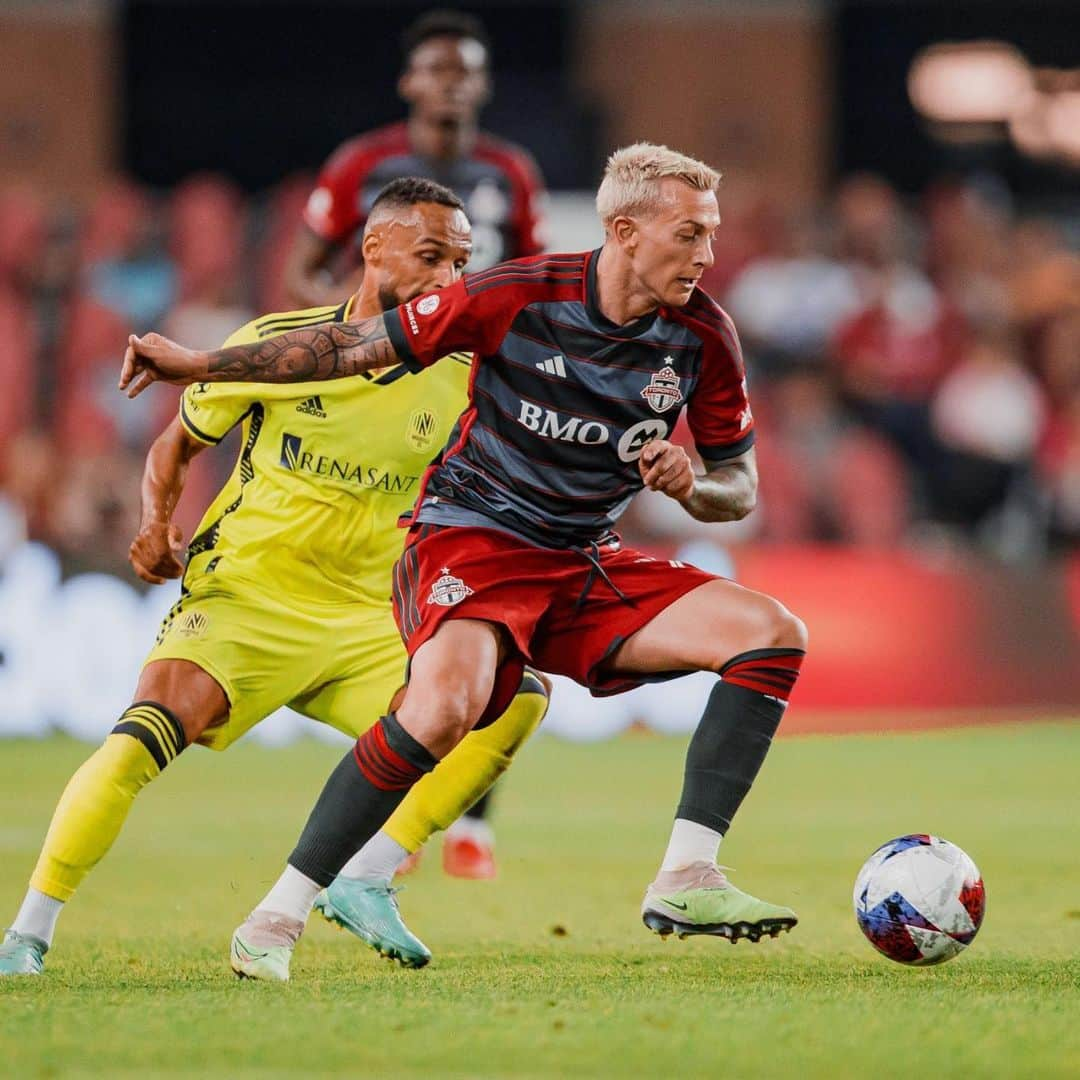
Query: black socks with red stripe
{"type": "Point", "coordinates": [362, 792]}
{"type": "Point", "coordinates": [734, 734]}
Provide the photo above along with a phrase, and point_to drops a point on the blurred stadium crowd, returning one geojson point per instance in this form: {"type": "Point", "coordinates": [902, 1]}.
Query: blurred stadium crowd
{"type": "Point", "coordinates": [914, 365]}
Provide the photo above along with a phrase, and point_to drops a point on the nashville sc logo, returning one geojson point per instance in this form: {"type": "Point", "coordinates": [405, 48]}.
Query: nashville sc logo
{"type": "Point", "coordinates": [193, 624]}
{"type": "Point", "coordinates": [663, 390]}
{"type": "Point", "coordinates": [448, 590]}
{"type": "Point", "coordinates": [296, 459]}
{"type": "Point", "coordinates": [422, 428]}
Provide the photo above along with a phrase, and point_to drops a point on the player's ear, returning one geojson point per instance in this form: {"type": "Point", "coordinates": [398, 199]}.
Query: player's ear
{"type": "Point", "coordinates": [624, 231]}
{"type": "Point", "coordinates": [371, 246]}
{"type": "Point", "coordinates": [405, 87]}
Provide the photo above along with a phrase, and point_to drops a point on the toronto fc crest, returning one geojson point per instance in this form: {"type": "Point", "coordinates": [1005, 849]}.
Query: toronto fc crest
{"type": "Point", "coordinates": [448, 590]}
{"type": "Point", "coordinates": [663, 390]}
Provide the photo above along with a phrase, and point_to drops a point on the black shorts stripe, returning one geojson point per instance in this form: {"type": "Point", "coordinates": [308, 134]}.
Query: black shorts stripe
{"type": "Point", "coordinates": [413, 569]}
{"type": "Point", "coordinates": [403, 594]}
{"type": "Point", "coordinates": [395, 589]}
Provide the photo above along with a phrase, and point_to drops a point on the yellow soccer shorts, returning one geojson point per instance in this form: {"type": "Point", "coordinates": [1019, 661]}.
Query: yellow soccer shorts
{"type": "Point", "coordinates": [337, 663]}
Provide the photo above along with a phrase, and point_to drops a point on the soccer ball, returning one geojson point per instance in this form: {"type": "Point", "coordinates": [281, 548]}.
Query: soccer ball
{"type": "Point", "coordinates": [919, 900]}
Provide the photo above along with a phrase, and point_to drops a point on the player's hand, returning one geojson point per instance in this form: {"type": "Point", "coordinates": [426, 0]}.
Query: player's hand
{"type": "Point", "coordinates": [153, 357]}
{"type": "Point", "coordinates": [666, 467]}
{"type": "Point", "coordinates": [155, 553]}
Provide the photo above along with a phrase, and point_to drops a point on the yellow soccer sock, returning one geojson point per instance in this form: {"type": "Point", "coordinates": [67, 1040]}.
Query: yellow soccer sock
{"type": "Point", "coordinates": [96, 801]}
{"type": "Point", "coordinates": [437, 800]}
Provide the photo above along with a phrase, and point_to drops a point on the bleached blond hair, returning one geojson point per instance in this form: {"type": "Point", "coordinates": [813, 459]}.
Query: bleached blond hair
{"type": "Point", "coordinates": [631, 184]}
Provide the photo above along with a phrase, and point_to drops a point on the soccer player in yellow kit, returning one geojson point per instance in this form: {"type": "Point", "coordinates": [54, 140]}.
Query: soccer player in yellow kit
{"type": "Point", "coordinates": [286, 597]}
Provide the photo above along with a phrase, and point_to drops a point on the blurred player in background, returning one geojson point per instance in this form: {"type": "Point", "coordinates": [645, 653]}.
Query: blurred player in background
{"type": "Point", "coordinates": [286, 595]}
{"type": "Point", "coordinates": [445, 83]}
{"type": "Point", "coordinates": [583, 364]}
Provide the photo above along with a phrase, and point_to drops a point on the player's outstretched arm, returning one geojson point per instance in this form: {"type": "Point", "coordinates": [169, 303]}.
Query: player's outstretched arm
{"type": "Point", "coordinates": [155, 552]}
{"type": "Point", "coordinates": [329, 351]}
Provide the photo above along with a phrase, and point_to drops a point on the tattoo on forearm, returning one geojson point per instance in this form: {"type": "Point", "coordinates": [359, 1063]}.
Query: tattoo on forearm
{"type": "Point", "coordinates": [329, 351]}
{"type": "Point", "coordinates": [726, 493]}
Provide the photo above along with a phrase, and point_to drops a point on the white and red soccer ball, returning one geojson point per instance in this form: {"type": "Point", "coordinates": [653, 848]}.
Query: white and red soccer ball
{"type": "Point", "coordinates": [919, 899]}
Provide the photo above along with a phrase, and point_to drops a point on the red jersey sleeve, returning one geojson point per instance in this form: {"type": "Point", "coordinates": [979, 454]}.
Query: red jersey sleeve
{"type": "Point", "coordinates": [451, 320]}
{"type": "Point", "coordinates": [719, 413]}
{"type": "Point", "coordinates": [332, 210]}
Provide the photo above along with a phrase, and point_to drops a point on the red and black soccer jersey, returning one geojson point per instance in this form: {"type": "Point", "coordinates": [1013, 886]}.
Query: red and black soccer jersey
{"type": "Point", "coordinates": [562, 400]}
{"type": "Point", "coordinates": [498, 182]}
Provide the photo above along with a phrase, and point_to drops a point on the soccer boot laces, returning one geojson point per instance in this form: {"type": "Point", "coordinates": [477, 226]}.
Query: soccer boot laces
{"type": "Point", "coordinates": [699, 899]}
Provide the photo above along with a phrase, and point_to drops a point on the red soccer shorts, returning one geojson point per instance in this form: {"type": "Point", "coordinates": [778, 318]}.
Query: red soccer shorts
{"type": "Point", "coordinates": [562, 615]}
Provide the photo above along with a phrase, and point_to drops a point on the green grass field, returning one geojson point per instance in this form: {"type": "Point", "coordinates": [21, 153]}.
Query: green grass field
{"type": "Point", "coordinates": [548, 971]}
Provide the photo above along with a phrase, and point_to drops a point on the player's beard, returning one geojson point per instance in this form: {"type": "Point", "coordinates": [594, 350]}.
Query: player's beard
{"type": "Point", "coordinates": [389, 299]}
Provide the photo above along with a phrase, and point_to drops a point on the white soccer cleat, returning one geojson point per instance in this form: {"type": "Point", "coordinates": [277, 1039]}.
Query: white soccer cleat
{"type": "Point", "coordinates": [262, 946]}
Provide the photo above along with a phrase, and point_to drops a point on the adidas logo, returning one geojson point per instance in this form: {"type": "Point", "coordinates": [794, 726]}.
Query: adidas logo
{"type": "Point", "coordinates": [553, 365]}
{"type": "Point", "coordinates": [312, 407]}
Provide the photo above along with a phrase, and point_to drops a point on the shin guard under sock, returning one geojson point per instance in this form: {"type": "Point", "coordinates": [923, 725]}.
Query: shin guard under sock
{"type": "Point", "coordinates": [734, 734]}
{"type": "Point", "coordinates": [361, 793]}
{"type": "Point", "coordinates": [96, 801]}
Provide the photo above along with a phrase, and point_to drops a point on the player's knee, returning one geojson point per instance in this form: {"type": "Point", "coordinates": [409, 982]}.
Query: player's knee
{"type": "Point", "coordinates": [772, 626]}
{"type": "Point", "coordinates": [788, 630]}
{"type": "Point", "coordinates": [442, 721]}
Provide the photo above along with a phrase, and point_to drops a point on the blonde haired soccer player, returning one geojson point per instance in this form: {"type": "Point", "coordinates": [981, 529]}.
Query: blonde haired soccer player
{"type": "Point", "coordinates": [583, 363]}
{"type": "Point", "coordinates": [286, 596]}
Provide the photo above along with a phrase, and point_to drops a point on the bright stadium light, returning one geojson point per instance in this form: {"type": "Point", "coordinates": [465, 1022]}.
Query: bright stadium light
{"type": "Point", "coordinates": [976, 82]}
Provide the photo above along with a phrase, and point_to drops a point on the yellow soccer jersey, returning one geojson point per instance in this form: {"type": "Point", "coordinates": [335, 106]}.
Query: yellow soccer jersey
{"type": "Point", "coordinates": [324, 471]}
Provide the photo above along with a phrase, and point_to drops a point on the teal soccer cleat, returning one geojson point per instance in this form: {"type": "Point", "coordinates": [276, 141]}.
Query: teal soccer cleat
{"type": "Point", "coordinates": [371, 913]}
{"type": "Point", "coordinates": [22, 954]}
{"type": "Point", "coordinates": [699, 899]}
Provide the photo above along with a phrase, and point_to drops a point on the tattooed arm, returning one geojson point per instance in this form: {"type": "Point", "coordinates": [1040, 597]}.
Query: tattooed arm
{"type": "Point", "coordinates": [329, 351]}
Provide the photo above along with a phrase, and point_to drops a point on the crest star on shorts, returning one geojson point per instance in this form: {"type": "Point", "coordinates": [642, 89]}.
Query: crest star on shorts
{"type": "Point", "coordinates": [448, 590]}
